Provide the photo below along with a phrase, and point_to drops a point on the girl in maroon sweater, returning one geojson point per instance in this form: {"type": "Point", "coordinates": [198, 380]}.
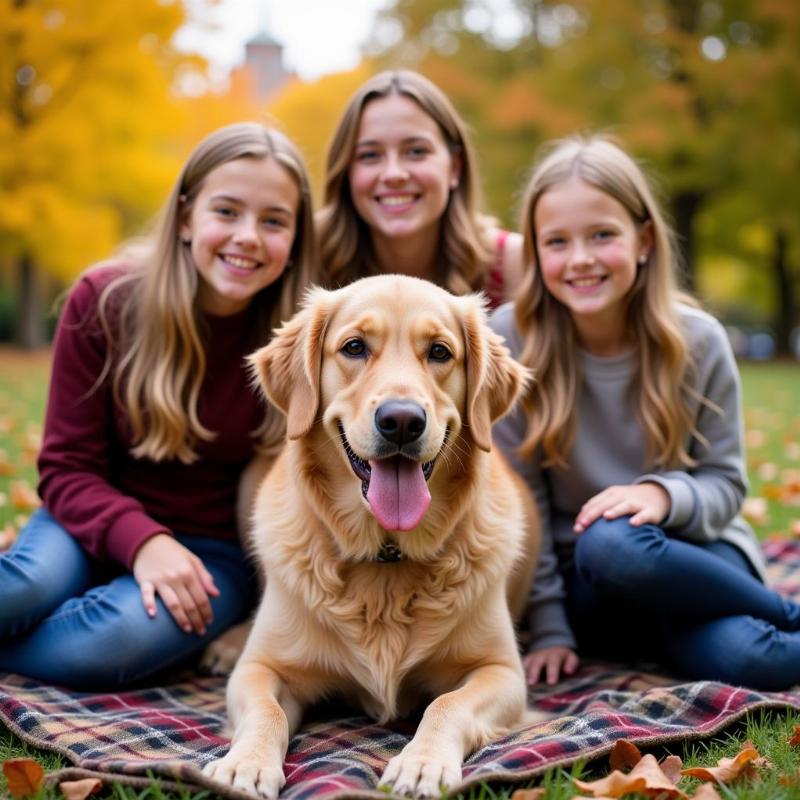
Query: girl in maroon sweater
{"type": "Point", "coordinates": [133, 564]}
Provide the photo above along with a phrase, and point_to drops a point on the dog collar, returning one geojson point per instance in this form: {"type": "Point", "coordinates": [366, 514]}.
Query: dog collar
{"type": "Point", "coordinates": [389, 553]}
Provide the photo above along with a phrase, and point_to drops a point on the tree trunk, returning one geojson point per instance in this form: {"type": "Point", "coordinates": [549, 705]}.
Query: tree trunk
{"type": "Point", "coordinates": [30, 320]}
{"type": "Point", "coordinates": [785, 306]}
{"type": "Point", "coordinates": [684, 210]}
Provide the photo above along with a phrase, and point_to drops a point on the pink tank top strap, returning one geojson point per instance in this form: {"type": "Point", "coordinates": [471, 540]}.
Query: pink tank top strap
{"type": "Point", "coordinates": [495, 282]}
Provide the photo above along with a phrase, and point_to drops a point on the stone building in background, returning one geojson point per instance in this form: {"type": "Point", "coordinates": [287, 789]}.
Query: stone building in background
{"type": "Point", "coordinates": [263, 66]}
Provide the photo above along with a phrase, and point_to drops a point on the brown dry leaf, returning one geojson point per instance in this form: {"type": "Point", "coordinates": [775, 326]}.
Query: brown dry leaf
{"type": "Point", "coordinates": [773, 491]}
{"type": "Point", "coordinates": [616, 784]}
{"type": "Point", "coordinates": [729, 769]}
{"type": "Point", "coordinates": [755, 438]}
{"type": "Point", "coordinates": [784, 780]}
{"type": "Point", "coordinates": [755, 510]}
{"type": "Point", "coordinates": [767, 471]}
{"type": "Point", "coordinates": [624, 755]}
{"type": "Point", "coordinates": [794, 528]}
{"type": "Point", "coordinates": [23, 497]}
{"type": "Point", "coordinates": [706, 792]}
{"type": "Point", "coordinates": [31, 440]}
{"type": "Point", "coordinates": [794, 741]}
{"type": "Point", "coordinates": [528, 794]}
{"type": "Point", "coordinates": [646, 777]}
{"type": "Point", "coordinates": [790, 478]}
{"type": "Point", "coordinates": [80, 790]}
{"type": "Point", "coordinates": [671, 766]}
{"type": "Point", "coordinates": [6, 467]}
{"type": "Point", "coordinates": [595, 797]}
{"type": "Point", "coordinates": [24, 776]}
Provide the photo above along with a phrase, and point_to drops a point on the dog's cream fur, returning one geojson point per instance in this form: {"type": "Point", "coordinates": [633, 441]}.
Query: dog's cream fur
{"type": "Point", "coordinates": [435, 626]}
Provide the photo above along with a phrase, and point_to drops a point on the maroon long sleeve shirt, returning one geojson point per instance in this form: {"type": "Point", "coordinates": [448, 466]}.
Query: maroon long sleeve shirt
{"type": "Point", "coordinates": [110, 501]}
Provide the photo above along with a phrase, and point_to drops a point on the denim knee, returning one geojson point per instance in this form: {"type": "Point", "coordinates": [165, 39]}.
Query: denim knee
{"type": "Point", "coordinates": [44, 568]}
{"type": "Point", "coordinates": [616, 556]}
{"type": "Point", "coordinates": [99, 636]}
{"type": "Point", "coordinates": [110, 641]}
{"type": "Point", "coordinates": [105, 639]}
{"type": "Point", "coordinates": [740, 650]}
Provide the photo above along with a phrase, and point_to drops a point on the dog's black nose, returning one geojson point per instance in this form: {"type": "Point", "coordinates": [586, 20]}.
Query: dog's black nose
{"type": "Point", "coordinates": [400, 421]}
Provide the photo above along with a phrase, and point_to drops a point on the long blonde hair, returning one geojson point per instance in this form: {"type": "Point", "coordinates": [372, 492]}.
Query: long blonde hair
{"type": "Point", "coordinates": [662, 385]}
{"type": "Point", "coordinates": [158, 339]}
{"type": "Point", "coordinates": [465, 247]}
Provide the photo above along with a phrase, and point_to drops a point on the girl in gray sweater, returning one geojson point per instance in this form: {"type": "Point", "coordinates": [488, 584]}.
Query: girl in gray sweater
{"type": "Point", "coordinates": [631, 442]}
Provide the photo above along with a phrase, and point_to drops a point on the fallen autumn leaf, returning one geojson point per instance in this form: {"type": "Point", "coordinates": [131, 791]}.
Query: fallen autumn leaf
{"type": "Point", "coordinates": [728, 769]}
{"type": "Point", "coordinates": [646, 777]}
{"type": "Point", "coordinates": [624, 755]}
{"type": "Point", "coordinates": [24, 776]}
{"type": "Point", "coordinates": [80, 790]}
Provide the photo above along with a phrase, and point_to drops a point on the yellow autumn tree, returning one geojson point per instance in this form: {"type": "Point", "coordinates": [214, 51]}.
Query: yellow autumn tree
{"type": "Point", "coordinates": [214, 108]}
{"type": "Point", "coordinates": [85, 113]}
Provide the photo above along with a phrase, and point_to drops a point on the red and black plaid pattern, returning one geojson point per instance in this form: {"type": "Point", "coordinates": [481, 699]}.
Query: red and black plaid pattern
{"type": "Point", "coordinates": [170, 732]}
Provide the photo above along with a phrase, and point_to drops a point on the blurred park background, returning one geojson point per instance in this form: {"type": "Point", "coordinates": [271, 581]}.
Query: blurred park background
{"type": "Point", "coordinates": [103, 100]}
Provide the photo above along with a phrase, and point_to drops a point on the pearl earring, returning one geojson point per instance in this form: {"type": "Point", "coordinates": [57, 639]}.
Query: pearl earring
{"type": "Point", "coordinates": [642, 258]}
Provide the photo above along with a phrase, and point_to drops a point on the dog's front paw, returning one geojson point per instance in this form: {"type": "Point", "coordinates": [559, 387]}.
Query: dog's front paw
{"type": "Point", "coordinates": [248, 774]}
{"type": "Point", "coordinates": [419, 774]}
{"type": "Point", "coordinates": [220, 657]}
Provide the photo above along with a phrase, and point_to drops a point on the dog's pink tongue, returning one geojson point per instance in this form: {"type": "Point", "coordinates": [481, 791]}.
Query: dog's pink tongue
{"type": "Point", "coordinates": [398, 494]}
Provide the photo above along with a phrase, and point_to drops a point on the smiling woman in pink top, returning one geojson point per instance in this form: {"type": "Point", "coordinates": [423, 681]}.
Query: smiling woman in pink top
{"type": "Point", "coordinates": [402, 194]}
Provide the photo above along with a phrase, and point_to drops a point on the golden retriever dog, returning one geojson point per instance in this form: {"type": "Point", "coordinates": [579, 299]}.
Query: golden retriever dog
{"type": "Point", "coordinates": [390, 533]}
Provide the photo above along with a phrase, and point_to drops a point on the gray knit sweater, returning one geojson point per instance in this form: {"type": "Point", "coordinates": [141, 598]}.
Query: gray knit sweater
{"type": "Point", "coordinates": [609, 449]}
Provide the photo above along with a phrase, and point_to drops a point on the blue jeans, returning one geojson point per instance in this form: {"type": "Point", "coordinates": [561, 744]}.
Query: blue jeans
{"type": "Point", "coordinates": [698, 608]}
{"type": "Point", "coordinates": [68, 619]}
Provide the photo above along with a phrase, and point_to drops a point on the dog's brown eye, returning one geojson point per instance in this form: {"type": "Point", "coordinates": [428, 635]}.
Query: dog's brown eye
{"type": "Point", "coordinates": [355, 348]}
{"type": "Point", "coordinates": [439, 352]}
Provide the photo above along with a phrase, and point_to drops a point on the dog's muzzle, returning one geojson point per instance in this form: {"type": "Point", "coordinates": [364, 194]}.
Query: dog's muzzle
{"type": "Point", "coordinates": [394, 482]}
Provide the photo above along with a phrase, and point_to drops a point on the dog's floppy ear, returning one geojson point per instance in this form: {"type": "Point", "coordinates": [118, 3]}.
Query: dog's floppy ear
{"type": "Point", "coordinates": [494, 379]}
{"type": "Point", "coordinates": [288, 368]}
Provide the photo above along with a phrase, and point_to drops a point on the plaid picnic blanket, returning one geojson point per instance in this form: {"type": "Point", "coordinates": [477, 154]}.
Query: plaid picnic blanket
{"type": "Point", "coordinates": [170, 732]}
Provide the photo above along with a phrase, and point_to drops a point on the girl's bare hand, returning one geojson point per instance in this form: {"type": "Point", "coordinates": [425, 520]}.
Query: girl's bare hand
{"type": "Point", "coordinates": [550, 661]}
{"type": "Point", "coordinates": [644, 502]}
{"type": "Point", "coordinates": [163, 566]}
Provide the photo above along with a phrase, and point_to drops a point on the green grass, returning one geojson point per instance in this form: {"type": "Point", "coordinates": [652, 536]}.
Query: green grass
{"type": "Point", "coordinates": [23, 389]}
{"type": "Point", "coordinates": [772, 410]}
{"type": "Point", "coordinates": [772, 422]}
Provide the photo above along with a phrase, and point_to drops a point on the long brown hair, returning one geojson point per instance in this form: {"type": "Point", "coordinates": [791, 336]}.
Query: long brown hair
{"type": "Point", "coordinates": [662, 385]}
{"type": "Point", "coordinates": [346, 252]}
{"type": "Point", "coordinates": [160, 362]}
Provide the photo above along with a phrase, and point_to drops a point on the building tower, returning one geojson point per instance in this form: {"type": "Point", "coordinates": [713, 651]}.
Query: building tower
{"type": "Point", "coordinates": [264, 62]}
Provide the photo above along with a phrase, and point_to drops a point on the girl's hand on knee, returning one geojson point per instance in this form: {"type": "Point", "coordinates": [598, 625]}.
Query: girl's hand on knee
{"type": "Point", "coordinates": [163, 566]}
{"type": "Point", "coordinates": [550, 661]}
{"type": "Point", "coordinates": [643, 502]}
